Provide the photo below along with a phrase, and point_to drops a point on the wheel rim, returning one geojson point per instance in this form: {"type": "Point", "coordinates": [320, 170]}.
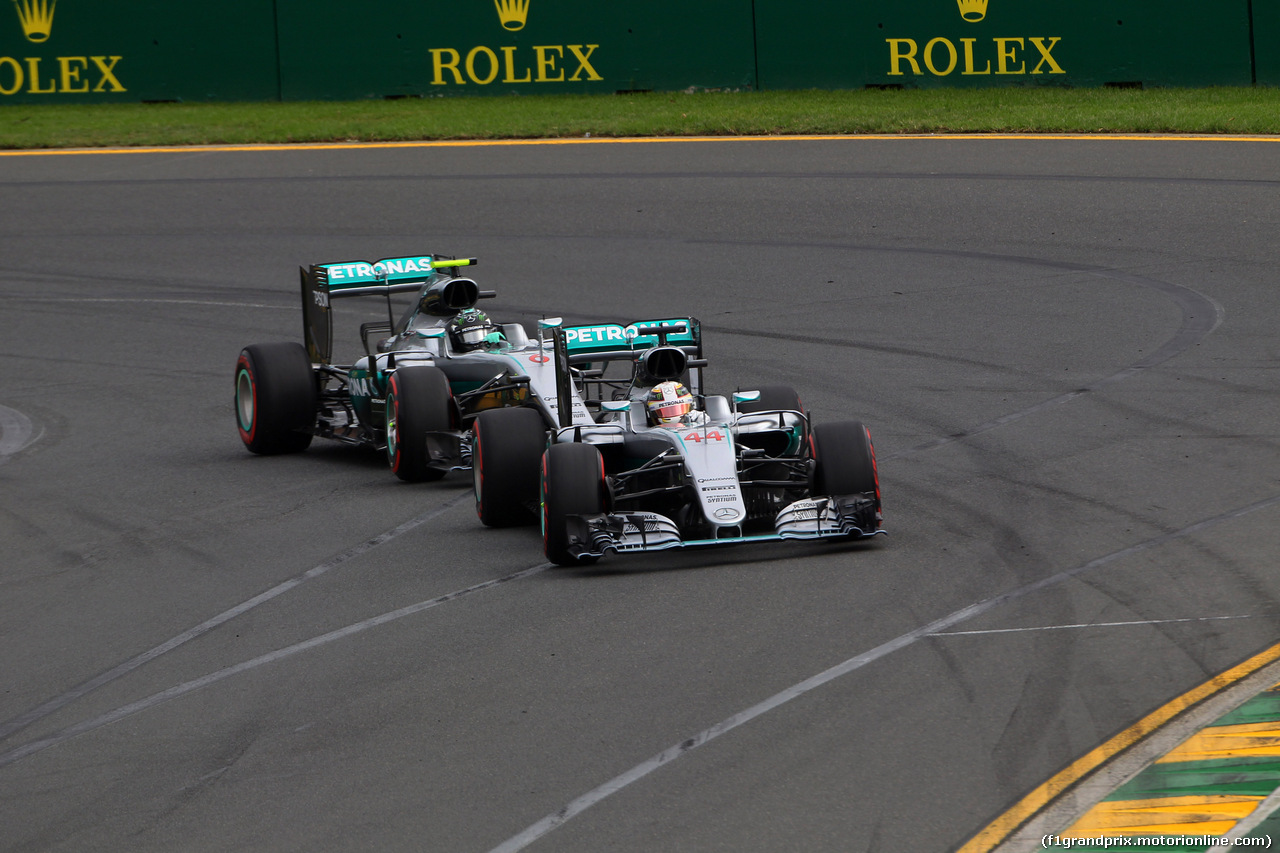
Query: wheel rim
{"type": "Point", "coordinates": [245, 400]}
{"type": "Point", "coordinates": [477, 473]}
{"type": "Point", "coordinates": [393, 443]}
{"type": "Point", "coordinates": [542, 498]}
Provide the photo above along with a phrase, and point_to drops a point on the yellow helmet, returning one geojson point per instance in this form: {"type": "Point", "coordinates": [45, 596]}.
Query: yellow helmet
{"type": "Point", "coordinates": [668, 402]}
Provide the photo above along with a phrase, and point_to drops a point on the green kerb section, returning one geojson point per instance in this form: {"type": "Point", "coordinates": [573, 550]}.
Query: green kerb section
{"type": "Point", "coordinates": [1217, 777]}
{"type": "Point", "coordinates": [1255, 777]}
{"type": "Point", "coordinates": [1263, 708]}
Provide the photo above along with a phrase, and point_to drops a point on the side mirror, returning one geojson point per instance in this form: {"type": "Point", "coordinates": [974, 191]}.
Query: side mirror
{"type": "Point", "coordinates": [550, 322]}
{"type": "Point", "coordinates": [615, 405]}
{"type": "Point", "coordinates": [745, 397]}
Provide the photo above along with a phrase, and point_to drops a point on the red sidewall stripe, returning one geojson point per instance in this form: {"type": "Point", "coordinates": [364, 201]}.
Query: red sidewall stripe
{"type": "Point", "coordinates": [243, 367]}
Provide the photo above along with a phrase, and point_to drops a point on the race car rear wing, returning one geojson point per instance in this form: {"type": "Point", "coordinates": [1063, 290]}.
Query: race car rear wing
{"type": "Point", "coordinates": [661, 349]}
{"type": "Point", "coordinates": [607, 341]}
{"type": "Point", "coordinates": [324, 282]}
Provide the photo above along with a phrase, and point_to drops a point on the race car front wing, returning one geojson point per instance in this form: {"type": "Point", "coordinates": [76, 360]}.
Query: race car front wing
{"type": "Point", "coordinates": [840, 516]}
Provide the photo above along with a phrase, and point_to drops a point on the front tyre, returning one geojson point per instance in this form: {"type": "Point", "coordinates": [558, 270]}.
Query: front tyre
{"type": "Point", "coordinates": [419, 401]}
{"type": "Point", "coordinates": [572, 484]}
{"type": "Point", "coordinates": [506, 455]}
{"type": "Point", "coordinates": [845, 460]}
{"type": "Point", "coordinates": [275, 398]}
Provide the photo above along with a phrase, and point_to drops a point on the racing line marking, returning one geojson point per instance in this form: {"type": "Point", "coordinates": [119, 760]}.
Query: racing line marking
{"type": "Point", "coordinates": [1081, 766]}
{"type": "Point", "coordinates": [22, 721]}
{"type": "Point", "coordinates": [1088, 625]}
{"type": "Point", "coordinates": [120, 713]}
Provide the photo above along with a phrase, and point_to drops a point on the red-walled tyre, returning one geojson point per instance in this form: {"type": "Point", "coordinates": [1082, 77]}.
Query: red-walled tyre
{"type": "Point", "coordinates": [572, 484]}
{"type": "Point", "coordinates": [419, 401]}
{"type": "Point", "coordinates": [275, 398]}
{"type": "Point", "coordinates": [846, 460]}
{"type": "Point", "coordinates": [506, 457]}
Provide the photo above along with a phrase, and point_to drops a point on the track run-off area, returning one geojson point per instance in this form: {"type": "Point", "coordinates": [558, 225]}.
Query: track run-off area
{"type": "Point", "coordinates": [1064, 349]}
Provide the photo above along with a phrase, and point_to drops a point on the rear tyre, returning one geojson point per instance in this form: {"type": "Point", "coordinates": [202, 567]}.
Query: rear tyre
{"type": "Point", "coordinates": [275, 398]}
{"type": "Point", "coordinates": [572, 484]}
{"type": "Point", "coordinates": [506, 456]}
{"type": "Point", "coordinates": [846, 460]}
{"type": "Point", "coordinates": [419, 401]}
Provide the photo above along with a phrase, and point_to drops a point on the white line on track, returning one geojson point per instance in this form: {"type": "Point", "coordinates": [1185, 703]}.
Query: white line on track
{"type": "Point", "coordinates": [24, 720]}
{"type": "Point", "coordinates": [120, 713]}
{"type": "Point", "coordinates": [613, 786]}
{"type": "Point", "coordinates": [1087, 625]}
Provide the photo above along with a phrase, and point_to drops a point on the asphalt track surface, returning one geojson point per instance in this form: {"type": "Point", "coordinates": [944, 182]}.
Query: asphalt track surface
{"type": "Point", "coordinates": [1066, 351]}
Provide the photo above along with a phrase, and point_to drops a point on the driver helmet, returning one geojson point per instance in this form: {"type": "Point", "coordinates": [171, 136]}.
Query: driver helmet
{"type": "Point", "coordinates": [471, 329]}
{"type": "Point", "coordinates": [668, 403]}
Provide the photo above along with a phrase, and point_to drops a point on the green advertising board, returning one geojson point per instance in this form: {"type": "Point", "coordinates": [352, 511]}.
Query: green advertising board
{"type": "Point", "coordinates": [923, 43]}
{"type": "Point", "coordinates": [1266, 41]}
{"type": "Point", "coordinates": [77, 51]}
{"type": "Point", "coordinates": [63, 51]}
{"type": "Point", "coordinates": [480, 47]}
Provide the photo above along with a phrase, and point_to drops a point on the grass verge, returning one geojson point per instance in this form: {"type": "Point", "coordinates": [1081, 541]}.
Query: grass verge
{"type": "Point", "coordinates": [1008, 110]}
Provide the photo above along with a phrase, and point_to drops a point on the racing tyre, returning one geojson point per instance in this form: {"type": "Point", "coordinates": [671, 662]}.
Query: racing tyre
{"type": "Point", "coordinates": [846, 461]}
{"type": "Point", "coordinates": [418, 402]}
{"type": "Point", "coordinates": [506, 454]}
{"type": "Point", "coordinates": [275, 397]}
{"type": "Point", "coordinates": [572, 484]}
{"type": "Point", "coordinates": [773, 398]}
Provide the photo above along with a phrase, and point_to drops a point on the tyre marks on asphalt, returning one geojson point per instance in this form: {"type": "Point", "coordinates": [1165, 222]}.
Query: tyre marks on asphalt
{"type": "Point", "coordinates": [23, 720]}
{"type": "Point", "coordinates": [16, 433]}
{"type": "Point", "coordinates": [41, 744]}
{"type": "Point", "coordinates": [1201, 316]}
{"type": "Point", "coordinates": [556, 819]}
{"type": "Point", "coordinates": [1204, 765]}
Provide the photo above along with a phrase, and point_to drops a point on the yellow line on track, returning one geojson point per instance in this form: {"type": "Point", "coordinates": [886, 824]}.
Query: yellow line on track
{"type": "Point", "coordinates": [630, 140]}
{"type": "Point", "coordinates": [1026, 808]}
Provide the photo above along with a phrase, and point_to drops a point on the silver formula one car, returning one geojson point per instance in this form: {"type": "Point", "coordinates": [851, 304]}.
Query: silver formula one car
{"type": "Point", "coordinates": [419, 388]}
{"type": "Point", "coordinates": [663, 465]}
